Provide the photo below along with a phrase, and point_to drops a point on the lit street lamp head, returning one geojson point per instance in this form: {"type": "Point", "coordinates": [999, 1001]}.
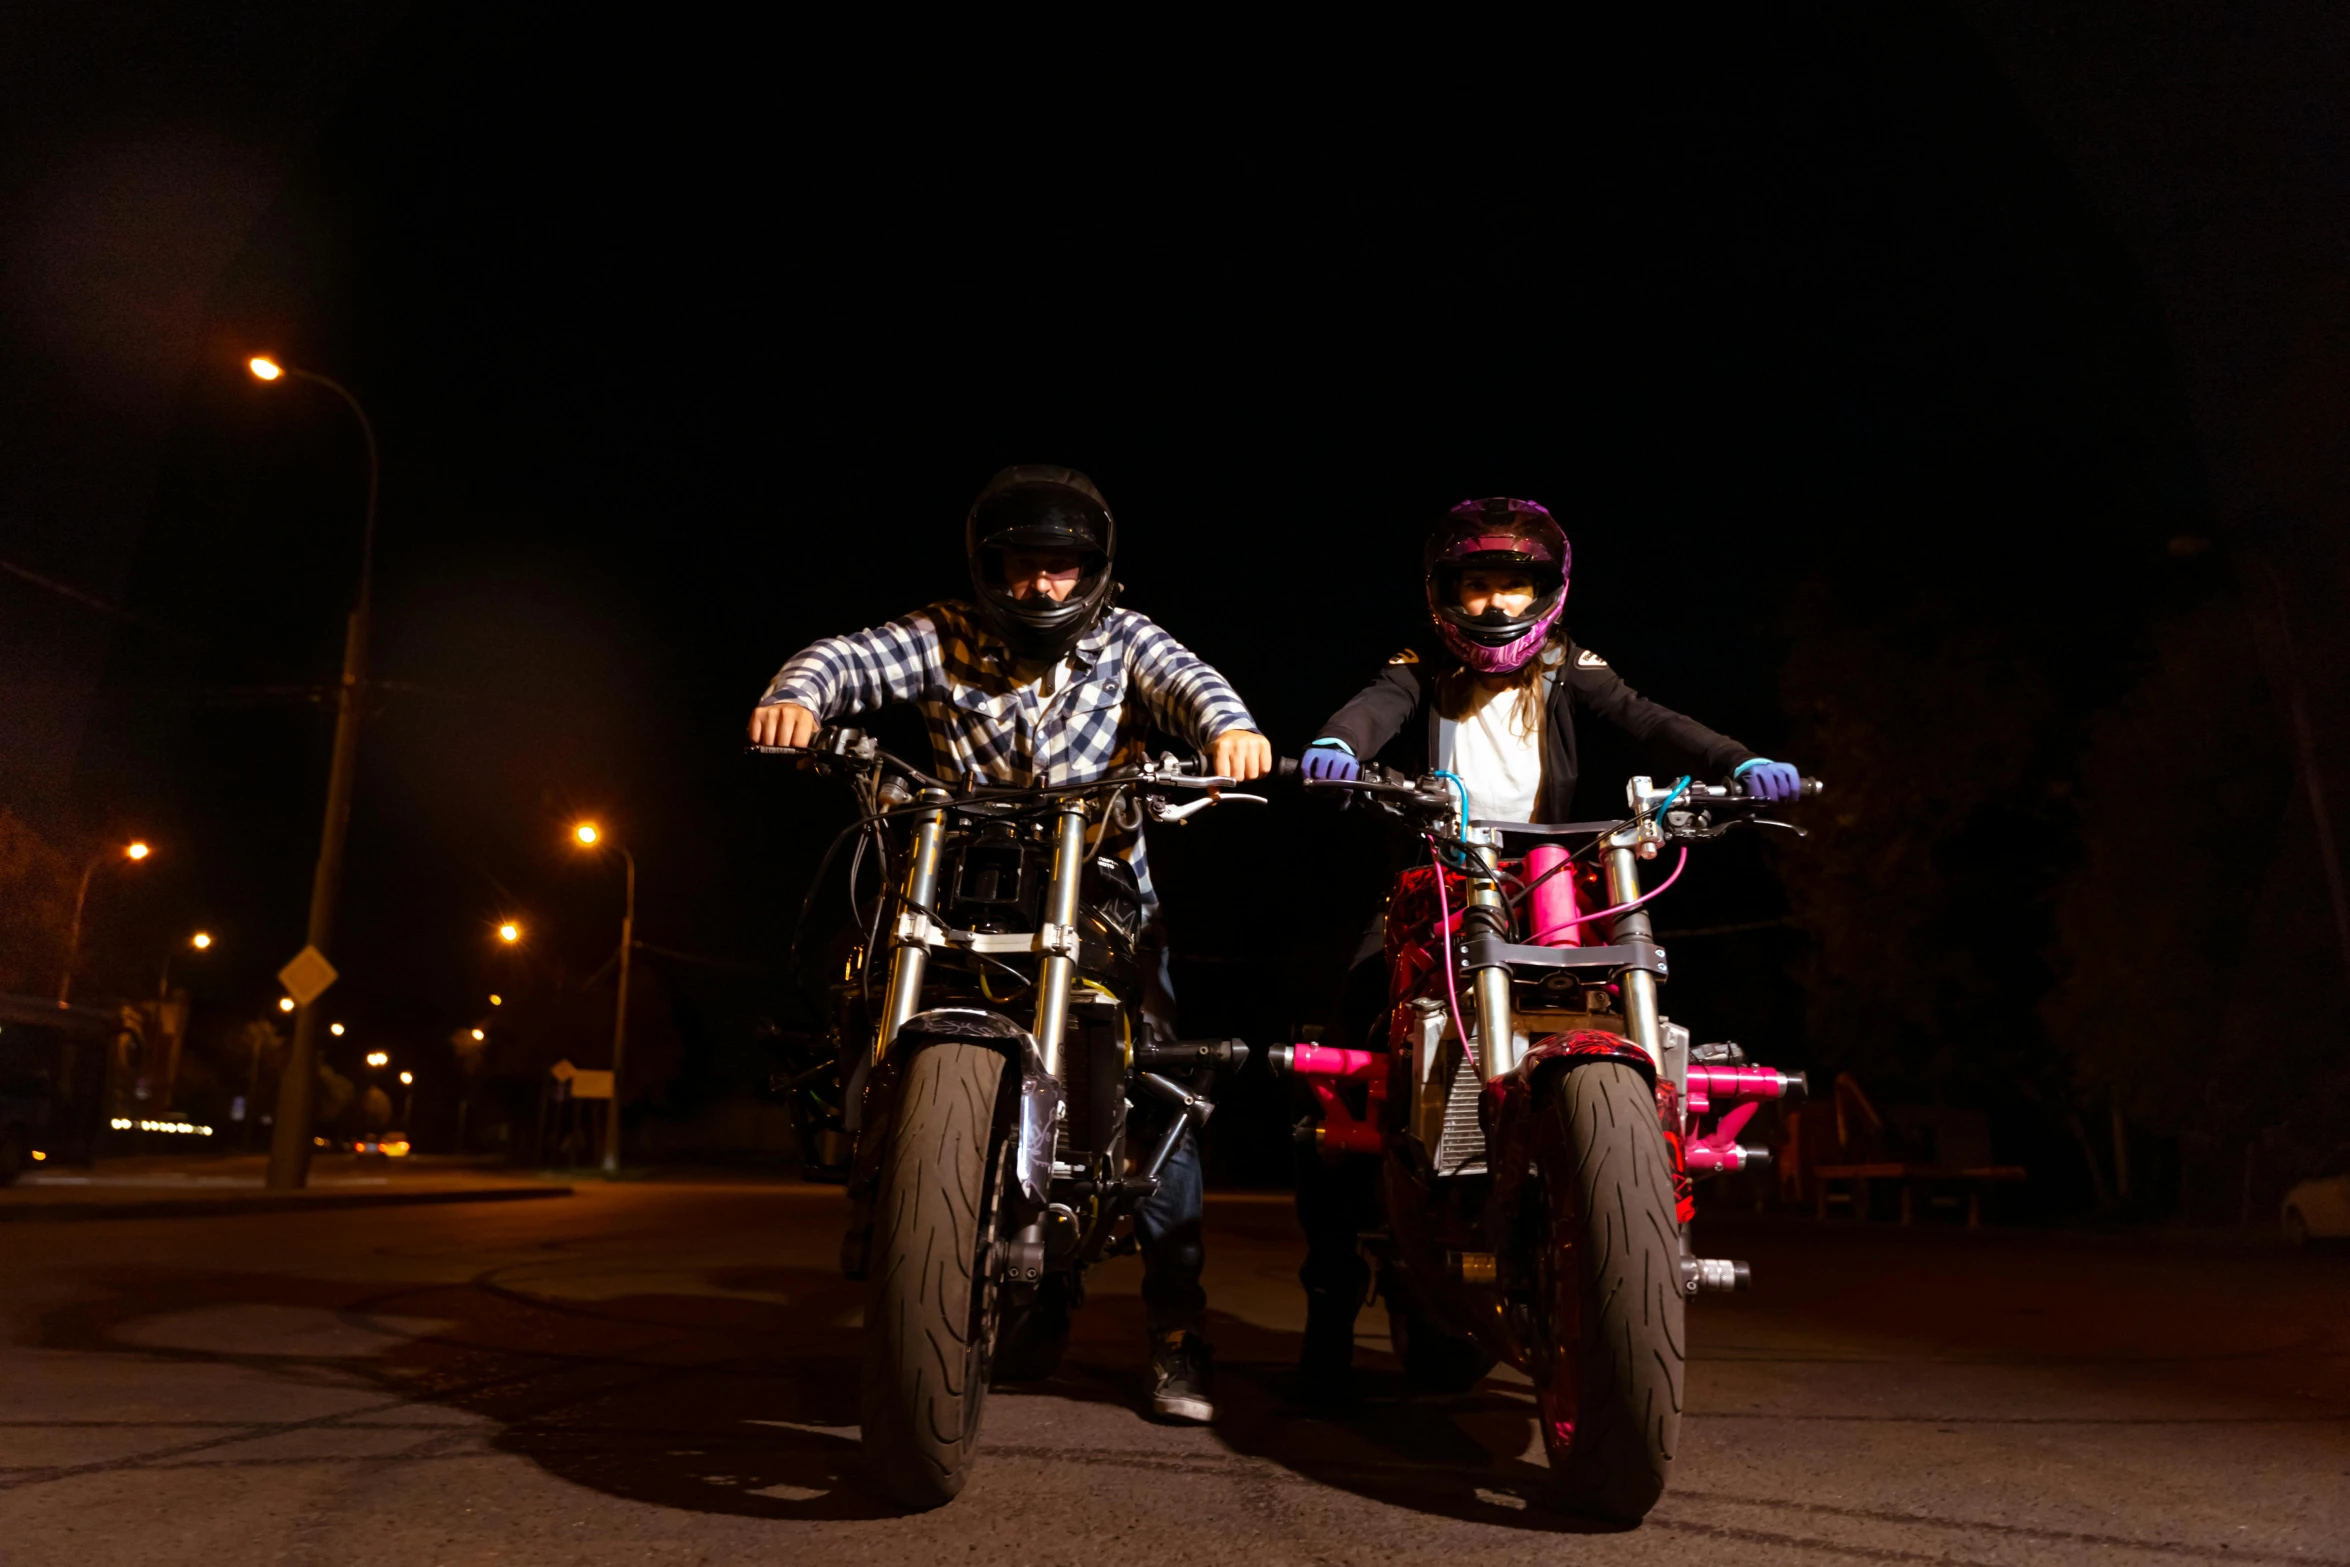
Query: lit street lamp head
{"type": "Point", "coordinates": [136, 851]}
{"type": "Point", "coordinates": [407, 1078]}
{"type": "Point", "coordinates": [335, 1029]}
{"type": "Point", "coordinates": [509, 932]}
{"type": "Point", "coordinates": [285, 1003]}
{"type": "Point", "coordinates": [587, 833]}
{"type": "Point", "coordinates": [378, 1058]}
{"type": "Point", "coordinates": [201, 940]}
{"type": "Point", "coordinates": [478, 1034]}
{"type": "Point", "coordinates": [264, 368]}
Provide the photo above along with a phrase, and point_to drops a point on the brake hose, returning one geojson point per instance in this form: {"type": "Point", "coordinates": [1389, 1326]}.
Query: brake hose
{"type": "Point", "coordinates": [1444, 942]}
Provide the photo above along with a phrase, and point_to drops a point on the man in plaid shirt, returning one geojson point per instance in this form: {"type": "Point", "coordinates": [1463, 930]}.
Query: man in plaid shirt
{"type": "Point", "coordinates": [1042, 680]}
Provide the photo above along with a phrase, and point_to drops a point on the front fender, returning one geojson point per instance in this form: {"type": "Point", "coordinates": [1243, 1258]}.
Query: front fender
{"type": "Point", "coordinates": [1505, 1111]}
{"type": "Point", "coordinates": [1036, 1115]}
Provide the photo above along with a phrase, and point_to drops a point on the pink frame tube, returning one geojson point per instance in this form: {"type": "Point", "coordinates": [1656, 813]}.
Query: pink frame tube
{"type": "Point", "coordinates": [1554, 914]}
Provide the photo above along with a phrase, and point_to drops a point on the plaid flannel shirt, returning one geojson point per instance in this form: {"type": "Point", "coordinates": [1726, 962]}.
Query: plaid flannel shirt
{"type": "Point", "coordinates": [1126, 675]}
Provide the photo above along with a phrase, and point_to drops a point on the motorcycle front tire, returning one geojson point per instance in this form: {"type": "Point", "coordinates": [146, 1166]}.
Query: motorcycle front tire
{"type": "Point", "coordinates": [928, 1301]}
{"type": "Point", "coordinates": [1610, 1394]}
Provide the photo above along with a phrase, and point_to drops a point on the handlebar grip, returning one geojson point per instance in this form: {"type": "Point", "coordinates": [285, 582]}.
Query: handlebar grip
{"type": "Point", "coordinates": [1813, 786]}
{"type": "Point", "coordinates": [1285, 766]}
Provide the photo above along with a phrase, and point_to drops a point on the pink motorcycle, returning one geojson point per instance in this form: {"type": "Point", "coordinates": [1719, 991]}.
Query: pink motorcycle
{"type": "Point", "coordinates": [1539, 1121]}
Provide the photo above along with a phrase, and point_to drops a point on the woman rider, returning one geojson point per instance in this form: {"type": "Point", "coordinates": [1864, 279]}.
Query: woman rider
{"type": "Point", "coordinates": [1498, 711]}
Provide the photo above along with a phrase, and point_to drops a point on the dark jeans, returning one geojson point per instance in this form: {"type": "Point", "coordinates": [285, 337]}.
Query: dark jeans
{"type": "Point", "coordinates": [1168, 1226]}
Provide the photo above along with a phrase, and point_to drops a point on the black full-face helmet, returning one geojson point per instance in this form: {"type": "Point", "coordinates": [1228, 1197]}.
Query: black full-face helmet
{"type": "Point", "coordinates": [1041, 508]}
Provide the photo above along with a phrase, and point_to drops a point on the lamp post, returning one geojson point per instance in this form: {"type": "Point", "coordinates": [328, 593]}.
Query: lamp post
{"type": "Point", "coordinates": [201, 941]}
{"type": "Point", "coordinates": [588, 836]}
{"type": "Point", "coordinates": [134, 852]}
{"type": "Point", "coordinates": [290, 1145]}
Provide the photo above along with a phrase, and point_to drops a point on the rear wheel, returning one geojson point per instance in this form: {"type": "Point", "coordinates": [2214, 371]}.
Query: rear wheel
{"type": "Point", "coordinates": [1612, 1354]}
{"type": "Point", "coordinates": [929, 1308]}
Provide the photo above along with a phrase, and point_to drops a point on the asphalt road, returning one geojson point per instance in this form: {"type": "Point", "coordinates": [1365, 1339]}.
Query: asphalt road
{"type": "Point", "coordinates": [666, 1373]}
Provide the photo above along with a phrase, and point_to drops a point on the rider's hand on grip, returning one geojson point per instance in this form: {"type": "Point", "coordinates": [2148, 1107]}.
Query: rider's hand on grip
{"type": "Point", "coordinates": [1769, 780]}
{"type": "Point", "coordinates": [1329, 764]}
{"type": "Point", "coordinates": [783, 723]}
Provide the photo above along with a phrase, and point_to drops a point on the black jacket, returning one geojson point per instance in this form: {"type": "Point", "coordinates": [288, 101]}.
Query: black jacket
{"type": "Point", "coordinates": [1402, 696]}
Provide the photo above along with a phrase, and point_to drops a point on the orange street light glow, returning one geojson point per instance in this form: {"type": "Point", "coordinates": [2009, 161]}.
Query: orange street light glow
{"type": "Point", "coordinates": [587, 833]}
{"type": "Point", "coordinates": [478, 1034]}
{"type": "Point", "coordinates": [138, 851]}
{"type": "Point", "coordinates": [285, 1003]}
{"type": "Point", "coordinates": [407, 1077]}
{"type": "Point", "coordinates": [497, 1001]}
{"type": "Point", "coordinates": [378, 1058]}
{"type": "Point", "coordinates": [509, 932]}
{"type": "Point", "coordinates": [335, 1029]}
{"type": "Point", "coordinates": [200, 940]}
{"type": "Point", "coordinates": [264, 368]}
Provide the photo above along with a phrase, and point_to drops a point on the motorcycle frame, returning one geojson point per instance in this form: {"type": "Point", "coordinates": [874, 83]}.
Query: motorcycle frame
{"type": "Point", "coordinates": [1045, 1198]}
{"type": "Point", "coordinates": [1457, 1240]}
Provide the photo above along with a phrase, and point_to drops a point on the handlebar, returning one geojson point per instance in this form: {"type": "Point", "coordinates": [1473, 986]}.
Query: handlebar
{"type": "Point", "coordinates": [839, 748]}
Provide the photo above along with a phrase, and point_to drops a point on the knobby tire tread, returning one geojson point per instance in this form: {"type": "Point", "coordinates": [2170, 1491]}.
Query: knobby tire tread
{"type": "Point", "coordinates": [923, 1386]}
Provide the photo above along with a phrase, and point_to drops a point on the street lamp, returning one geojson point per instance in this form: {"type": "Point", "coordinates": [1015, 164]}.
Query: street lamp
{"type": "Point", "coordinates": [589, 836]}
{"type": "Point", "coordinates": [201, 941]}
{"type": "Point", "coordinates": [335, 1029]}
{"type": "Point", "coordinates": [133, 851]}
{"type": "Point", "coordinates": [285, 1003]}
{"type": "Point", "coordinates": [378, 1059]}
{"type": "Point", "coordinates": [290, 1147]}
{"type": "Point", "coordinates": [509, 933]}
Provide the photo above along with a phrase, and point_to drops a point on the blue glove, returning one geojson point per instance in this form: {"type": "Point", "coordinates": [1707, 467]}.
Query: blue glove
{"type": "Point", "coordinates": [1769, 780]}
{"type": "Point", "coordinates": [1329, 761]}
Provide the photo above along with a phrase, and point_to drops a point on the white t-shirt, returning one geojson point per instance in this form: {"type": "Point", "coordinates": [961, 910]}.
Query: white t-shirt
{"type": "Point", "coordinates": [1499, 757]}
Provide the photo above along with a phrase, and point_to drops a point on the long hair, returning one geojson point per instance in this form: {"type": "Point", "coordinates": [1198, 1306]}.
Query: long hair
{"type": "Point", "coordinates": [1461, 693]}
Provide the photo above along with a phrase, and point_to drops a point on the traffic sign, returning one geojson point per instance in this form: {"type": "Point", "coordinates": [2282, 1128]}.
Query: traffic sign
{"type": "Point", "coordinates": [591, 1085]}
{"type": "Point", "coordinates": [307, 977]}
{"type": "Point", "coordinates": [561, 1071]}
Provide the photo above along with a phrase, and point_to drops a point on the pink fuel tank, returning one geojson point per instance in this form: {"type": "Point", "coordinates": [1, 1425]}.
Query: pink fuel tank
{"type": "Point", "coordinates": [1554, 899]}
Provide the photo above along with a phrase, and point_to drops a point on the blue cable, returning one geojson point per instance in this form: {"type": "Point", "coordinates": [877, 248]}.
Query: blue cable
{"type": "Point", "coordinates": [1666, 803]}
{"type": "Point", "coordinates": [1455, 781]}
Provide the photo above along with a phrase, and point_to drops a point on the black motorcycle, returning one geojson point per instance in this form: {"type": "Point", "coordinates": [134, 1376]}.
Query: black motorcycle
{"type": "Point", "coordinates": [980, 1090]}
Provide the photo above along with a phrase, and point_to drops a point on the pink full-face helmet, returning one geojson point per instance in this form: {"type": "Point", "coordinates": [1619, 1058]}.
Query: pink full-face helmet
{"type": "Point", "coordinates": [1497, 534]}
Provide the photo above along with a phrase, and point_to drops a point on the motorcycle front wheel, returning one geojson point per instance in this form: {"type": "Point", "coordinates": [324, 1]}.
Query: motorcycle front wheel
{"type": "Point", "coordinates": [1612, 1353]}
{"type": "Point", "coordinates": [929, 1312]}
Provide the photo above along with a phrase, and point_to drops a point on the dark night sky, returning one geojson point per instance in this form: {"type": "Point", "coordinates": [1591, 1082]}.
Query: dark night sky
{"type": "Point", "coordinates": [684, 352]}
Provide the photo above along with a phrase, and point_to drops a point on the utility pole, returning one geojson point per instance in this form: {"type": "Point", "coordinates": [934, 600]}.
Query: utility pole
{"type": "Point", "coordinates": [620, 1021]}
{"type": "Point", "coordinates": [290, 1145]}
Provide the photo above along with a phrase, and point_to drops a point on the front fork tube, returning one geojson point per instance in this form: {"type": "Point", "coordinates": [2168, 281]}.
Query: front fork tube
{"type": "Point", "coordinates": [1056, 971]}
{"type": "Point", "coordinates": [1496, 1024]}
{"type": "Point", "coordinates": [909, 959]}
{"type": "Point", "coordinates": [1640, 1010]}
{"type": "Point", "coordinates": [1639, 986]}
{"type": "Point", "coordinates": [912, 958]}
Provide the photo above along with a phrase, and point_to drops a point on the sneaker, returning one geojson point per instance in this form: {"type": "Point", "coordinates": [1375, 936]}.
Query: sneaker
{"type": "Point", "coordinates": [1180, 1378]}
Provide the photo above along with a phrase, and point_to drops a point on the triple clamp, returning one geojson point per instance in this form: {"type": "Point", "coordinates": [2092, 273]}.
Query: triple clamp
{"type": "Point", "coordinates": [917, 930]}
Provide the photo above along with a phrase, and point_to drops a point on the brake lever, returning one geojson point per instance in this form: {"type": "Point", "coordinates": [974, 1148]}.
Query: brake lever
{"type": "Point", "coordinates": [1177, 813]}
